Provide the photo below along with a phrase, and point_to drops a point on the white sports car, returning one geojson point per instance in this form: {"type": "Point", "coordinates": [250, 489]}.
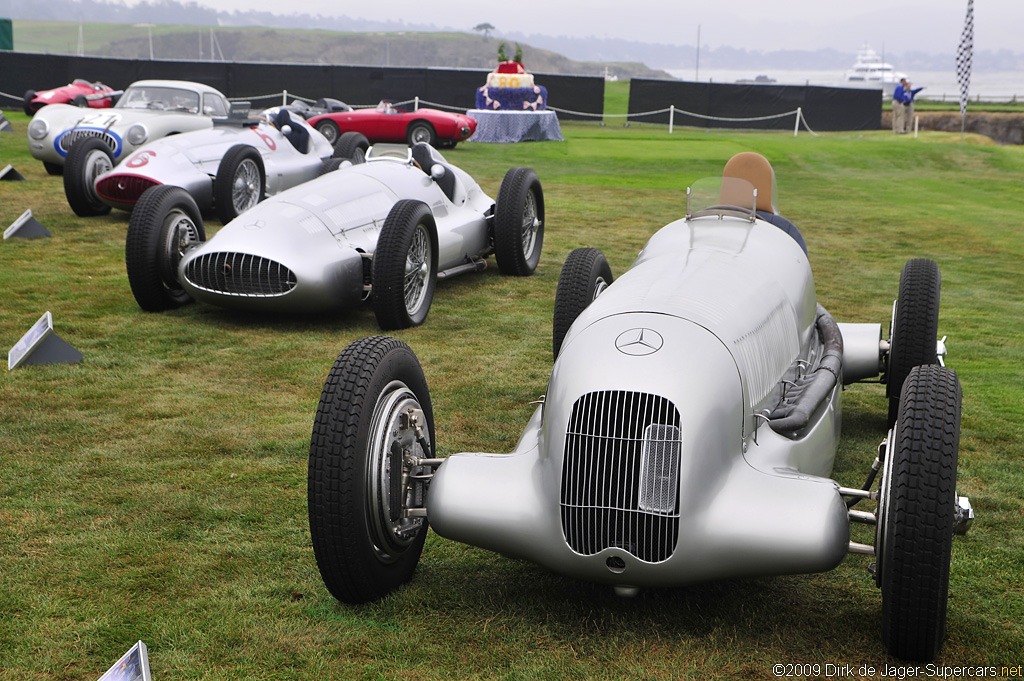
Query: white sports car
{"type": "Point", "coordinates": [148, 109]}
{"type": "Point", "coordinates": [230, 167]}
{"type": "Point", "coordinates": [384, 228]}
{"type": "Point", "coordinates": [687, 433]}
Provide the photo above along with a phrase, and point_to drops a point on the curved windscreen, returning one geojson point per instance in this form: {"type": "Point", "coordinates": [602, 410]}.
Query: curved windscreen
{"type": "Point", "coordinates": [720, 196]}
{"type": "Point", "coordinates": [159, 99]}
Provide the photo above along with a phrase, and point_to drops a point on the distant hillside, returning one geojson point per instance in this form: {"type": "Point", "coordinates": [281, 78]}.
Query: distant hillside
{"type": "Point", "coordinates": [610, 50]}
{"type": "Point", "coordinates": [401, 48]}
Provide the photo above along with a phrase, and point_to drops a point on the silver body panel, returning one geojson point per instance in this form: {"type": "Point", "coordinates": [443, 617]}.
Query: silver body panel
{"type": "Point", "coordinates": [707, 324]}
{"type": "Point", "coordinates": [190, 160]}
{"type": "Point", "coordinates": [320, 230]}
{"type": "Point", "coordinates": [112, 124]}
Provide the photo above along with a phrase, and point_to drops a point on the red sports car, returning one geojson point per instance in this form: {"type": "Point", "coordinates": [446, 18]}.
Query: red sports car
{"type": "Point", "coordinates": [78, 92]}
{"type": "Point", "coordinates": [386, 123]}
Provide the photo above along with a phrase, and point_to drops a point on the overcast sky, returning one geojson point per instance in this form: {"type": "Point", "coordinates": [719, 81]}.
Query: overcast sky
{"type": "Point", "coordinates": [895, 25]}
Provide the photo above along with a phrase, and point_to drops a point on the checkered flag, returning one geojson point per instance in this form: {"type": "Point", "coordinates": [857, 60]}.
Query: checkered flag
{"type": "Point", "coordinates": [964, 57]}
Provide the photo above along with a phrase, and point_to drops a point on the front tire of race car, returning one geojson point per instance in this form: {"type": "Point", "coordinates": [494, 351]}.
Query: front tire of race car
{"type": "Point", "coordinates": [87, 159]}
{"type": "Point", "coordinates": [53, 168]}
{"type": "Point", "coordinates": [585, 275]}
{"type": "Point", "coordinates": [915, 326]}
{"type": "Point", "coordinates": [373, 420]}
{"type": "Point", "coordinates": [80, 101]}
{"type": "Point", "coordinates": [519, 223]}
{"type": "Point", "coordinates": [916, 514]}
{"type": "Point", "coordinates": [351, 146]}
{"type": "Point", "coordinates": [329, 129]}
{"type": "Point", "coordinates": [27, 105]}
{"type": "Point", "coordinates": [165, 224]}
{"type": "Point", "coordinates": [420, 131]}
{"type": "Point", "coordinates": [240, 183]}
{"type": "Point", "coordinates": [404, 269]}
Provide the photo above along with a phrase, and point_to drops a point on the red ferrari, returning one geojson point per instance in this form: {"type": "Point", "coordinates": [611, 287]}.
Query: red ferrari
{"type": "Point", "coordinates": [78, 92]}
{"type": "Point", "coordinates": [386, 123]}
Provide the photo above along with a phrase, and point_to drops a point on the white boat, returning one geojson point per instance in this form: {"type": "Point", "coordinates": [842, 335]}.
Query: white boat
{"type": "Point", "coordinates": [871, 71]}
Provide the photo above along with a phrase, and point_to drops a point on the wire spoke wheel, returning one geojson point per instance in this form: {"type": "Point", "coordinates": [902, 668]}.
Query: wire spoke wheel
{"type": "Point", "coordinates": [165, 224]}
{"type": "Point", "coordinates": [179, 235]}
{"type": "Point", "coordinates": [530, 225]}
{"type": "Point", "coordinates": [245, 190]}
{"type": "Point", "coordinates": [403, 273]}
{"type": "Point", "coordinates": [417, 270]}
{"type": "Point", "coordinates": [519, 223]}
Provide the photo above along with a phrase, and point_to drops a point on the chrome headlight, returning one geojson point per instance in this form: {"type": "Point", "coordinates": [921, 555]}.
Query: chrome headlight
{"type": "Point", "coordinates": [137, 134]}
{"type": "Point", "coordinates": [38, 128]}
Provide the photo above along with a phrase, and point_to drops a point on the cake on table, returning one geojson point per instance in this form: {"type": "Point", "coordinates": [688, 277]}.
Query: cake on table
{"type": "Point", "coordinates": [511, 88]}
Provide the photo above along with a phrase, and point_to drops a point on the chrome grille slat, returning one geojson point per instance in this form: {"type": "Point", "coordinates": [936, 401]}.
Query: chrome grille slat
{"type": "Point", "coordinates": [620, 475]}
{"type": "Point", "coordinates": [72, 136]}
{"type": "Point", "coordinates": [240, 274]}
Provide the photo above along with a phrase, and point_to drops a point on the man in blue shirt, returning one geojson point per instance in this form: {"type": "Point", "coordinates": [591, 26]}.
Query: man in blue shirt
{"type": "Point", "coordinates": [899, 109]}
{"type": "Point", "coordinates": [908, 104]}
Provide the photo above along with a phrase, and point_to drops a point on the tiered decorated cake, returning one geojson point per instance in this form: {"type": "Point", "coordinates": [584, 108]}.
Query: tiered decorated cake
{"type": "Point", "coordinates": [511, 88]}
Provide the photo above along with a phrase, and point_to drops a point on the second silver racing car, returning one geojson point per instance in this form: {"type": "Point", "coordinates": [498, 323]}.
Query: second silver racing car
{"type": "Point", "coordinates": [384, 226]}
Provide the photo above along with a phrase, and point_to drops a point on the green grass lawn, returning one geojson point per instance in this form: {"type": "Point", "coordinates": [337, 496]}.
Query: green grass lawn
{"type": "Point", "coordinates": [157, 490]}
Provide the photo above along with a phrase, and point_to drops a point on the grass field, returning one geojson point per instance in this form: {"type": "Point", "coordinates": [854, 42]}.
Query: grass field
{"type": "Point", "coordinates": [156, 490]}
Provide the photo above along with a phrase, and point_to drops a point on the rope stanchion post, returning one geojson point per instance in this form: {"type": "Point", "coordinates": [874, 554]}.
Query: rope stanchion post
{"type": "Point", "coordinates": [284, 98]}
{"type": "Point", "coordinates": [796, 124]}
{"type": "Point", "coordinates": [671, 117]}
{"type": "Point", "coordinates": [416, 106]}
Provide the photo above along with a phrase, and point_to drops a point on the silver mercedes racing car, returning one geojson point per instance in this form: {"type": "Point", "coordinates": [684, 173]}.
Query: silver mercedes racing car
{"type": "Point", "coordinates": [688, 431]}
{"type": "Point", "coordinates": [384, 226]}
{"type": "Point", "coordinates": [228, 168]}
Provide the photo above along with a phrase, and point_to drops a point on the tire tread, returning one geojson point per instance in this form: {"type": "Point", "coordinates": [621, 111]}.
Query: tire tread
{"type": "Point", "coordinates": [916, 560]}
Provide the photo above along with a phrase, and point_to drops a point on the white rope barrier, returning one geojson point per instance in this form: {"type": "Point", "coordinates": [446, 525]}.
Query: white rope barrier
{"type": "Point", "coordinates": [672, 110]}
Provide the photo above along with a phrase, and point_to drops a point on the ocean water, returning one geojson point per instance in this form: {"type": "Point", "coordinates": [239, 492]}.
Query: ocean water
{"type": "Point", "coordinates": [988, 85]}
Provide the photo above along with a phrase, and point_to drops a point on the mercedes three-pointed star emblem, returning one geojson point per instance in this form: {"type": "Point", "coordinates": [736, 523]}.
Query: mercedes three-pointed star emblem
{"type": "Point", "coordinates": [638, 342]}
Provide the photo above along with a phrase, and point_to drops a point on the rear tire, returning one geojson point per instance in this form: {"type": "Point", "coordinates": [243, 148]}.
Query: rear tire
{"type": "Point", "coordinates": [87, 159]}
{"type": "Point", "coordinates": [404, 267]}
{"type": "Point", "coordinates": [27, 105]}
{"type": "Point", "coordinates": [165, 223]}
{"type": "Point", "coordinates": [916, 514]}
{"type": "Point", "coordinates": [364, 548]}
{"type": "Point", "coordinates": [80, 101]}
{"type": "Point", "coordinates": [585, 275]}
{"type": "Point", "coordinates": [329, 165]}
{"type": "Point", "coordinates": [240, 183]}
{"type": "Point", "coordinates": [352, 146]}
{"type": "Point", "coordinates": [519, 223]}
{"type": "Point", "coordinates": [915, 327]}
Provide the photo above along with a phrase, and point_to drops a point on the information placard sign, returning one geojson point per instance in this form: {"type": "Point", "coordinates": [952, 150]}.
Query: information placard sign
{"type": "Point", "coordinates": [133, 666]}
{"type": "Point", "coordinates": [42, 346]}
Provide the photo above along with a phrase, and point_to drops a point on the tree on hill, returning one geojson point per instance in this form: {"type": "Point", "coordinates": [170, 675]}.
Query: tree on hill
{"type": "Point", "coordinates": [484, 28]}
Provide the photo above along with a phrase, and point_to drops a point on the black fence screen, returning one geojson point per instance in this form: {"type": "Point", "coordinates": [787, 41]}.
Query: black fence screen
{"type": "Point", "coordinates": [719, 104]}
{"type": "Point", "coordinates": [21, 71]}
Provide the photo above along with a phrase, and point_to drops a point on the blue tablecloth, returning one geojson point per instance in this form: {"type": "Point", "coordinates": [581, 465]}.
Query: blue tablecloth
{"type": "Point", "coordinates": [515, 126]}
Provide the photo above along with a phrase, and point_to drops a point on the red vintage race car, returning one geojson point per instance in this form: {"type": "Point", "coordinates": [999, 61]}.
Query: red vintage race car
{"type": "Point", "coordinates": [387, 123]}
{"type": "Point", "coordinates": [78, 92]}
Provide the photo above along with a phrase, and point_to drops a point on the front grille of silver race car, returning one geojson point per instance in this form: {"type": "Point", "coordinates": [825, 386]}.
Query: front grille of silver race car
{"type": "Point", "coordinates": [72, 136]}
{"type": "Point", "coordinates": [239, 274]}
{"type": "Point", "coordinates": [620, 475]}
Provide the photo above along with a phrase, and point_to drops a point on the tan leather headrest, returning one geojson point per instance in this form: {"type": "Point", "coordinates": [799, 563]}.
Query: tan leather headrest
{"type": "Point", "coordinates": [755, 169]}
